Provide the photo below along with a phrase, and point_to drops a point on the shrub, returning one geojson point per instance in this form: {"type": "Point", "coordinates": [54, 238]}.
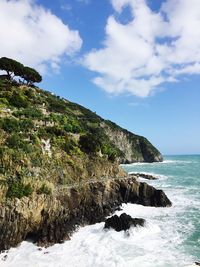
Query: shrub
{"type": "Point", "coordinates": [56, 105]}
{"type": "Point", "coordinates": [111, 151]}
{"type": "Point", "coordinates": [30, 113]}
{"type": "Point", "coordinates": [18, 100]}
{"type": "Point", "coordinates": [69, 145]}
{"type": "Point", "coordinates": [30, 93]}
{"type": "Point", "coordinates": [72, 126]}
{"type": "Point", "coordinates": [34, 139]}
{"type": "Point", "coordinates": [16, 141]}
{"type": "Point", "coordinates": [26, 124]}
{"type": "Point", "coordinates": [4, 102]}
{"type": "Point", "coordinates": [10, 125]}
{"type": "Point", "coordinates": [56, 117]}
{"type": "Point", "coordinates": [54, 130]}
{"type": "Point", "coordinates": [16, 189]}
{"type": "Point", "coordinates": [89, 143]}
{"type": "Point", "coordinates": [2, 84]}
{"type": "Point", "coordinates": [44, 189]}
{"type": "Point", "coordinates": [42, 133]}
{"type": "Point", "coordinates": [93, 141]}
{"type": "Point", "coordinates": [36, 158]}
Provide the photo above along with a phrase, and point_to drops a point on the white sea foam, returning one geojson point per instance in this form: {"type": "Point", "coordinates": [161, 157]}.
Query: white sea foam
{"type": "Point", "coordinates": [153, 245]}
{"type": "Point", "coordinates": [156, 163]}
{"type": "Point", "coordinates": [175, 161]}
{"type": "Point", "coordinates": [157, 244]}
{"type": "Point", "coordinates": [156, 175]}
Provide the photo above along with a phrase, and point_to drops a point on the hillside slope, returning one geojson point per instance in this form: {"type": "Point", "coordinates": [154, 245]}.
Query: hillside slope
{"type": "Point", "coordinates": [50, 140]}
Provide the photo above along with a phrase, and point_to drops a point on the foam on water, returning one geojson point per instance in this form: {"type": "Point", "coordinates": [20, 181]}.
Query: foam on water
{"type": "Point", "coordinates": [170, 238]}
{"type": "Point", "coordinates": [158, 176]}
{"type": "Point", "coordinates": [91, 246]}
{"type": "Point", "coordinates": [94, 246]}
{"type": "Point", "coordinates": [157, 163]}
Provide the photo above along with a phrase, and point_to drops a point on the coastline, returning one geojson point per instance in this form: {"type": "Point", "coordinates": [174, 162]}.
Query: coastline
{"type": "Point", "coordinates": [48, 220]}
{"type": "Point", "coordinates": [162, 242]}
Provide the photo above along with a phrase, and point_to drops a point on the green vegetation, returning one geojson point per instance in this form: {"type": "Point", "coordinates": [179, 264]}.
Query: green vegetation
{"type": "Point", "coordinates": [30, 75]}
{"type": "Point", "coordinates": [14, 68]}
{"type": "Point", "coordinates": [97, 141]}
{"type": "Point", "coordinates": [44, 189]}
{"type": "Point", "coordinates": [18, 100]}
{"type": "Point", "coordinates": [30, 117]}
{"type": "Point", "coordinates": [16, 189]}
{"type": "Point", "coordinates": [29, 112]}
{"type": "Point", "coordinates": [47, 140]}
{"type": "Point", "coordinates": [12, 125]}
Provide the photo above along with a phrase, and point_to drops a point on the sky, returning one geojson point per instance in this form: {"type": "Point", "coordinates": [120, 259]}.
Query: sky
{"type": "Point", "coordinates": [135, 62]}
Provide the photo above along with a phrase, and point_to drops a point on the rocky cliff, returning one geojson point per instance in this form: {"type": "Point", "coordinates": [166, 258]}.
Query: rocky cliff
{"type": "Point", "coordinates": [135, 148]}
{"type": "Point", "coordinates": [57, 159]}
{"type": "Point", "coordinates": [50, 219]}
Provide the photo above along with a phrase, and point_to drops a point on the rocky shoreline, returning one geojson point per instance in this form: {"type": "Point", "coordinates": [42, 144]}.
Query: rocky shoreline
{"type": "Point", "coordinates": [144, 176]}
{"type": "Point", "coordinates": [52, 219]}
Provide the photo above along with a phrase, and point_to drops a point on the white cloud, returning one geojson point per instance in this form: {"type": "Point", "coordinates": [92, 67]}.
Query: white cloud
{"type": "Point", "coordinates": [151, 49]}
{"type": "Point", "coordinates": [33, 35]}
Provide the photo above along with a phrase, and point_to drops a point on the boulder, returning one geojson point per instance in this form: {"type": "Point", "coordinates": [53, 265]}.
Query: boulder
{"type": "Point", "coordinates": [123, 222]}
{"type": "Point", "coordinates": [145, 176]}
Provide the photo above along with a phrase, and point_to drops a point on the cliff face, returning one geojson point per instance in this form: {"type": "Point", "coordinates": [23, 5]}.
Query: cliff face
{"type": "Point", "coordinates": [51, 219]}
{"type": "Point", "coordinates": [135, 148]}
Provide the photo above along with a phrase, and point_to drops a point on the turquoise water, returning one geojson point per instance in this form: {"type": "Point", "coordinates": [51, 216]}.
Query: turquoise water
{"type": "Point", "coordinates": [180, 179]}
{"type": "Point", "coordinates": [170, 238]}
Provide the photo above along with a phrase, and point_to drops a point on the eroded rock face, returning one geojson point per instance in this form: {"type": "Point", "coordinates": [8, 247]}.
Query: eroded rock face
{"type": "Point", "coordinates": [52, 219]}
{"type": "Point", "coordinates": [123, 222]}
{"type": "Point", "coordinates": [135, 148]}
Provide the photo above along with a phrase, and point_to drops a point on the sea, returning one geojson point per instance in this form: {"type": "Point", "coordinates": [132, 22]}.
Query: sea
{"type": "Point", "coordinates": [170, 238]}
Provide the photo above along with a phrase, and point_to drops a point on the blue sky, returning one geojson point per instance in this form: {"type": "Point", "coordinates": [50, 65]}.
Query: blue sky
{"type": "Point", "coordinates": [134, 62]}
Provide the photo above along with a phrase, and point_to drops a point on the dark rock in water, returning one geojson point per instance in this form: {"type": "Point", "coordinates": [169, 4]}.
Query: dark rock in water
{"type": "Point", "coordinates": [197, 263]}
{"type": "Point", "coordinates": [145, 176]}
{"type": "Point", "coordinates": [123, 222]}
